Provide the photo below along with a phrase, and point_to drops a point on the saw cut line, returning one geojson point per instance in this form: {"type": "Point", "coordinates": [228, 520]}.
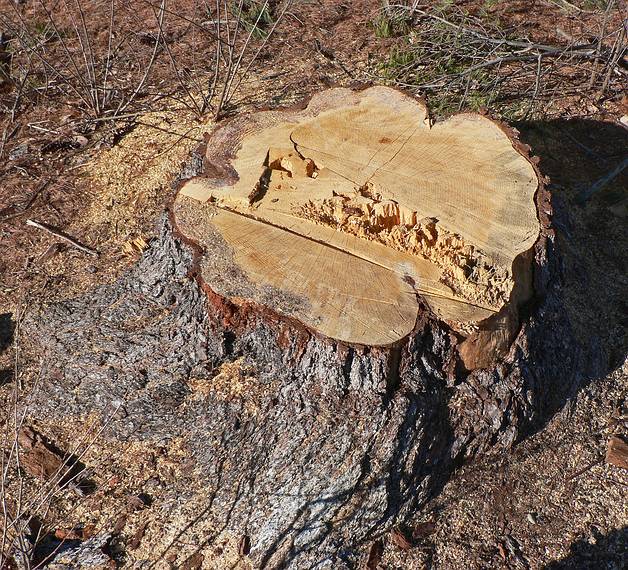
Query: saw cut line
{"type": "Point", "coordinates": [357, 205]}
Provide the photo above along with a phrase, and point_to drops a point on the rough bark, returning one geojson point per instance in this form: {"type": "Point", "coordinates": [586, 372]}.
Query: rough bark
{"type": "Point", "coordinates": [325, 446]}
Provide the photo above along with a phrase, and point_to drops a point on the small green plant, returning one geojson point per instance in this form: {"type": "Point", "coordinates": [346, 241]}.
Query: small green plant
{"type": "Point", "coordinates": [444, 5]}
{"type": "Point", "coordinates": [487, 12]}
{"type": "Point", "coordinates": [398, 60]}
{"type": "Point", "coordinates": [388, 26]}
{"type": "Point", "coordinates": [255, 16]}
{"type": "Point", "coordinates": [476, 101]}
{"type": "Point", "coordinates": [595, 4]}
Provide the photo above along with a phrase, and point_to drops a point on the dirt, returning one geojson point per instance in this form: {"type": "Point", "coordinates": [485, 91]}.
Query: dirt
{"type": "Point", "coordinates": [553, 502]}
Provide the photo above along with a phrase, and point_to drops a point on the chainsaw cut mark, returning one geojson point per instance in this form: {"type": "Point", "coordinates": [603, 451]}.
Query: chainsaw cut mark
{"type": "Point", "coordinates": [359, 193]}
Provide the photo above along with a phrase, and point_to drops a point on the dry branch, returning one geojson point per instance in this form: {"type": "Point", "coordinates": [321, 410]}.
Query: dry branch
{"type": "Point", "coordinates": [464, 60]}
{"type": "Point", "coordinates": [602, 182]}
{"type": "Point", "coordinates": [63, 236]}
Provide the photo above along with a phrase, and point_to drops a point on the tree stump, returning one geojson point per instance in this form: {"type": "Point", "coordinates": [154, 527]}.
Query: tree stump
{"type": "Point", "coordinates": [355, 215]}
{"type": "Point", "coordinates": [344, 302]}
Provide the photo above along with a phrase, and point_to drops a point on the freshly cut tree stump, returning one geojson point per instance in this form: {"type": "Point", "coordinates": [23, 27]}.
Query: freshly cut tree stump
{"type": "Point", "coordinates": [356, 214]}
{"type": "Point", "coordinates": [329, 320]}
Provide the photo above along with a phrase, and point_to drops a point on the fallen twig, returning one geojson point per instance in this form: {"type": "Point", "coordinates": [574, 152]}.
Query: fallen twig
{"type": "Point", "coordinates": [63, 236]}
{"type": "Point", "coordinates": [602, 182]}
{"type": "Point", "coordinates": [585, 469]}
{"type": "Point", "coordinates": [28, 204]}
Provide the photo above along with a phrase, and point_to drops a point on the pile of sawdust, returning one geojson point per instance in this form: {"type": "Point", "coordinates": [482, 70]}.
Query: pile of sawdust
{"type": "Point", "coordinates": [131, 181]}
{"type": "Point", "coordinates": [232, 381]}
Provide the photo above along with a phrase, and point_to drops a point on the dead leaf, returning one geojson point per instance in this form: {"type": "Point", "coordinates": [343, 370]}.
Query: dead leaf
{"type": "Point", "coordinates": [120, 524]}
{"type": "Point", "coordinates": [245, 545]}
{"type": "Point", "coordinates": [194, 562]}
{"type": "Point", "coordinates": [81, 140]}
{"type": "Point", "coordinates": [40, 459]}
{"type": "Point", "coordinates": [52, 250]}
{"type": "Point", "coordinates": [137, 502]}
{"type": "Point", "coordinates": [423, 530]}
{"type": "Point", "coordinates": [375, 555]}
{"type": "Point", "coordinates": [88, 531]}
{"type": "Point", "coordinates": [502, 551]}
{"type": "Point", "coordinates": [137, 537]}
{"type": "Point", "coordinates": [617, 452]}
{"type": "Point", "coordinates": [62, 534]}
{"type": "Point", "coordinates": [400, 540]}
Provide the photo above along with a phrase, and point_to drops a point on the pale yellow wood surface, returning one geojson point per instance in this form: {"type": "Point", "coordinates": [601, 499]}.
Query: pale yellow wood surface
{"type": "Point", "coordinates": [380, 307]}
{"type": "Point", "coordinates": [303, 180]}
{"type": "Point", "coordinates": [463, 171]}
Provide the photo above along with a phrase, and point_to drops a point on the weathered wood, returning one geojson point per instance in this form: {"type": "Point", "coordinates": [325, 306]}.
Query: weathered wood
{"type": "Point", "coordinates": [617, 452]}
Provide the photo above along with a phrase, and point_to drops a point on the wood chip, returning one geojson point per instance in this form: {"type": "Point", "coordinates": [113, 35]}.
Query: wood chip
{"type": "Point", "coordinates": [245, 546]}
{"type": "Point", "coordinates": [134, 246]}
{"type": "Point", "coordinates": [39, 459]}
{"type": "Point", "coordinates": [617, 452]}
{"type": "Point", "coordinates": [137, 537]}
{"type": "Point", "coordinates": [375, 555]}
{"type": "Point", "coordinates": [194, 562]}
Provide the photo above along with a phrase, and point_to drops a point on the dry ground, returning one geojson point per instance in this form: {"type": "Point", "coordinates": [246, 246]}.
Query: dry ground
{"type": "Point", "coordinates": [553, 502]}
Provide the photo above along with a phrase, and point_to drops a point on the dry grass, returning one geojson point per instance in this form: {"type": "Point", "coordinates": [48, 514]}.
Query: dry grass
{"type": "Point", "coordinates": [471, 61]}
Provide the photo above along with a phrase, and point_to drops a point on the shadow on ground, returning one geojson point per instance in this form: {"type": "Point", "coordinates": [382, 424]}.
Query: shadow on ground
{"type": "Point", "coordinates": [609, 552]}
{"type": "Point", "coordinates": [578, 155]}
{"type": "Point", "coordinates": [6, 331]}
{"type": "Point", "coordinates": [7, 327]}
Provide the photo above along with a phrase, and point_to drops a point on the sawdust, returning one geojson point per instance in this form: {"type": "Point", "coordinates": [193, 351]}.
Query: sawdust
{"type": "Point", "coordinates": [175, 523]}
{"type": "Point", "coordinates": [232, 381]}
{"type": "Point", "coordinates": [466, 270]}
{"type": "Point", "coordinates": [132, 180]}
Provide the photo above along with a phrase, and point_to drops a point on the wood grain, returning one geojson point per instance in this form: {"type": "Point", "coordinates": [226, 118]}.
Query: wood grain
{"type": "Point", "coordinates": [362, 209]}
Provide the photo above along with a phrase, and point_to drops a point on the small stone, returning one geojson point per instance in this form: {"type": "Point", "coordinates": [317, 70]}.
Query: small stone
{"type": "Point", "coordinates": [18, 152]}
{"type": "Point", "coordinates": [532, 518]}
{"type": "Point", "coordinates": [80, 140]}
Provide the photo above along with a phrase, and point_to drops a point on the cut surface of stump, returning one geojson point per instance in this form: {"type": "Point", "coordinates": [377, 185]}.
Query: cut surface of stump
{"type": "Point", "coordinates": [356, 213]}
